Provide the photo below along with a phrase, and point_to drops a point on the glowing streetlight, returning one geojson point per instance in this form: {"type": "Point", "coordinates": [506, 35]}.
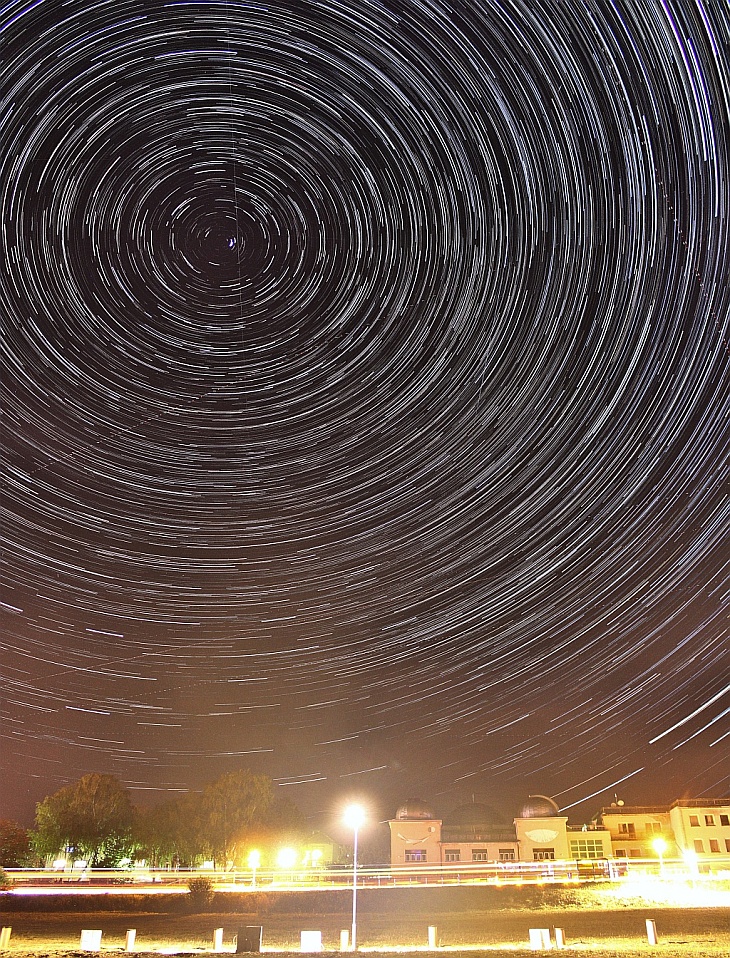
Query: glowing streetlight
{"type": "Point", "coordinates": [660, 846]}
{"type": "Point", "coordinates": [354, 818]}
{"type": "Point", "coordinates": [254, 860]}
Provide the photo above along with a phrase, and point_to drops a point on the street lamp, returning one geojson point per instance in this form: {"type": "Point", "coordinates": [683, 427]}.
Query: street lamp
{"type": "Point", "coordinates": [660, 846]}
{"type": "Point", "coordinates": [354, 818]}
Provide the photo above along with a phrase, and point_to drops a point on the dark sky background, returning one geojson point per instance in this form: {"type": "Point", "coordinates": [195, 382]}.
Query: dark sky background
{"type": "Point", "coordinates": [365, 399]}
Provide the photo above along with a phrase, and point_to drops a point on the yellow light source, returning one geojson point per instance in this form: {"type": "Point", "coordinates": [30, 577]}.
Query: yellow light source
{"type": "Point", "coordinates": [659, 845]}
{"type": "Point", "coordinates": [316, 855]}
{"type": "Point", "coordinates": [254, 859]}
{"type": "Point", "coordinates": [287, 858]}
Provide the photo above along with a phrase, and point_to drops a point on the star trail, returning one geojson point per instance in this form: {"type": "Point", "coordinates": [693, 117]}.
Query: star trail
{"type": "Point", "coordinates": [365, 397]}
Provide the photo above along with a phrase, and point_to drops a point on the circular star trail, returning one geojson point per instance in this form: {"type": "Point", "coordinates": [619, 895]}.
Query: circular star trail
{"type": "Point", "coordinates": [365, 395]}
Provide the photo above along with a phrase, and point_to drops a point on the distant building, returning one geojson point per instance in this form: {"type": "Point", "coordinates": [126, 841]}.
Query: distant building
{"type": "Point", "coordinates": [475, 833]}
{"type": "Point", "coordinates": [696, 826]}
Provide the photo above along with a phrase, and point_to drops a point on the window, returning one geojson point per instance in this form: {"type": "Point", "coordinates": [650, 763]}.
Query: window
{"type": "Point", "coordinates": [506, 854]}
{"type": "Point", "coordinates": [415, 854]}
{"type": "Point", "coordinates": [699, 845]}
{"type": "Point", "coordinates": [725, 819]}
{"type": "Point", "coordinates": [620, 853]}
{"type": "Point", "coordinates": [653, 828]}
{"type": "Point", "coordinates": [627, 828]}
{"type": "Point", "coordinates": [586, 848]}
{"type": "Point", "coordinates": [714, 845]}
{"type": "Point", "coordinates": [479, 855]}
{"type": "Point", "coordinates": [709, 819]}
{"type": "Point", "coordinates": [452, 855]}
{"type": "Point", "coordinates": [727, 844]}
{"type": "Point", "coordinates": [543, 854]}
{"type": "Point", "coordinates": [634, 853]}
{"type": "Point", "coordinates": [694, 821]}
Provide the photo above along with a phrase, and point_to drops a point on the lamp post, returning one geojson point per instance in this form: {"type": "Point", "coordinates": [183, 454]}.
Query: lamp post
{"type": "Point", "coordinates": [660, 846]}
{"type": "Point", "coordinates": [354, 817]}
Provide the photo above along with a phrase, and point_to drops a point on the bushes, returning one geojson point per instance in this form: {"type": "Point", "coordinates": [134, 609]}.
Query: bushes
{"type": "Point", "coordinates": [201, 894]}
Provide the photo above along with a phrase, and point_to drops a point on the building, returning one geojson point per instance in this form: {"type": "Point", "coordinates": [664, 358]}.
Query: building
{"type": "Point", "coordinates": [475, 833]}
{"type": "Point", "coordinates": [688, 826]}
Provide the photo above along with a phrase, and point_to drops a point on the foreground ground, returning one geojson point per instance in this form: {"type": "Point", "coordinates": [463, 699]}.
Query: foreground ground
{"type": "Point", "coordinates": [690, 933]}
{"type": "Point", "coordinates": [605, 922]}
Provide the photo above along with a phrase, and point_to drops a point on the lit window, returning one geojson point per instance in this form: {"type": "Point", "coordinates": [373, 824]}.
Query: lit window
{"type": "Point", "coordinates": [699, 845]}
{"type": "Point", "coordinates": [479, 855]}
{"type": "Point", "coordinates": [452, 855]}
{"type": "Point", "coordinates": [506, 854]}
{"type": "Point", "coordinates": [714, 845]}
{"type": "Point", "coordinates": [727, 844]}
{"type": "Point", "coordinates": [586, 848]}
{"type": "Point", "coordinates": [634, 853]}
{"type": "Point", "coordinates": [653, 828]}
{"type": "Point", "coordinates": [415, 854]}
{"type": "Point", "coordinates": [543, 854]}
{"type": "Point", "coordinates": [694, 821]}
{"type": "Point", "coordinates": [709, 819]}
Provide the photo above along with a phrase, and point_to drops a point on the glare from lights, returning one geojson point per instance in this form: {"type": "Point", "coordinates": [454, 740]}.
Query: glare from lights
{"type": "Point", "coordinates": [354, 816]}
{"type": "Point", "coordinates": [287, 858]}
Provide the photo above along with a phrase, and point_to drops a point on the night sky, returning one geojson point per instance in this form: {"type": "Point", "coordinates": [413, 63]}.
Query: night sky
{"type": "Point", "coordinates": [365, 393]}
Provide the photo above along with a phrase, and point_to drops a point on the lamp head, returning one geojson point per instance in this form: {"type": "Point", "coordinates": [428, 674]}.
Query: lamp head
{"type": "Point", "coordinates": [354, 816]}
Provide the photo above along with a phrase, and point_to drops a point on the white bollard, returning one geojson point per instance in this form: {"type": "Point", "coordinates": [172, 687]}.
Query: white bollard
{"type": "Point", "coordinates": [131, 936]}
{"type": "Point", "coordinates": [559, 938]}
{"type": "Point", "coordinates": [218, 939]}
{"type": "Point", "coordinates": [432, 934]}
{"type": "Point", "coordinates": [540, 939]}
{"type": "Point", "coordinates": [651, 934]}
{"type": "Point", "coordinates": [5, 938]}
{"type": "Point", "coordinates": [344, 940]}
{"type": "Point", "coordinates": [91, 940]}
{"type": "Point", "coordinates": [310, 941]}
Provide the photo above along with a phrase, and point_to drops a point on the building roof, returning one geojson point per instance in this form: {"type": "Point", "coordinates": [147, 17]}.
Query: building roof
{"type": "Point", "coordinates": [415, 809]}
{"type": "Point", "coordinates": [539, 806]}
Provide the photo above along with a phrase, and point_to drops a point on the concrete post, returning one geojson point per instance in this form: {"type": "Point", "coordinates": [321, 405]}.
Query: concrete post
{"type": "Point", "coordinates": [540, 939]}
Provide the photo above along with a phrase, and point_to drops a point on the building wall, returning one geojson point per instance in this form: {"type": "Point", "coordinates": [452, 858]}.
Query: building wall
{"type": "Point", "coordinates": [703, 830]}
{"type": "Point", "coordinates": [472, 853]}
{"type": "Point", "coordinates": [415, 843]}
{"type": "Point", "coordinates": [542, 838]}
{"type": "Point", "coordinates": [633, 829]}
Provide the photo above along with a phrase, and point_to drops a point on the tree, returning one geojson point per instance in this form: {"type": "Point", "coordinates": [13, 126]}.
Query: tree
{"type": "Point", "coordinates": [14, 845]}
{"type": "Point", "coordinates": [169, 834]}
{"type": "Point", "coordinates": [229, 807]}
{"type": "Point", "coordinates": [91, 818]}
